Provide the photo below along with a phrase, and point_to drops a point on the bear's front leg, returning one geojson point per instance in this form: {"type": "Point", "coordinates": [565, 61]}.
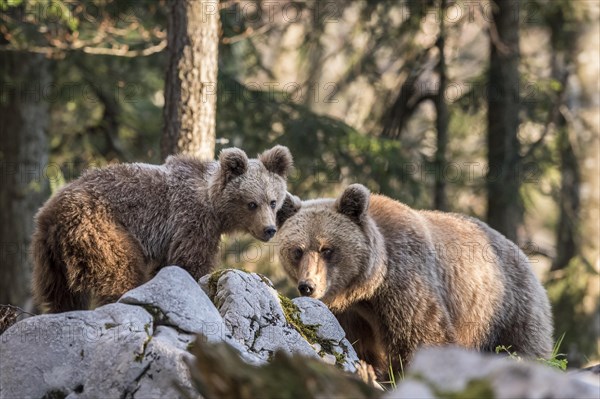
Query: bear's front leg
{"type": "Point", "coordinates": [196, 255]}
{"type": "Point", "coordinates": [366, 339]}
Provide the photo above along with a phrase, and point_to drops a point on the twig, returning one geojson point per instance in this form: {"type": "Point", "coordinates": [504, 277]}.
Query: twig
{"type": "Point", "coordinates": [122, 51]}
{"type": "Point", "coordinates": [249, 32]}
{"type": "Point", "coordinates": [17, 309]}
{"type": "Point", "coordinates": [9, 315]}
{"type": "Point", "coordinates": [406, 102]}
{"type": "Point", "coordinates": [496, 41]}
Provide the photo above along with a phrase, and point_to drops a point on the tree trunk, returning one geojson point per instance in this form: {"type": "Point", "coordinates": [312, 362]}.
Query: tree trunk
{"type": "Point", "coordinates": [588, 145]}
{"type": "Point", "coordinates": [191, 81]}
{"type": "Point", "coordinates": [441, 122]}
{"type": "Point", "coordinates": [574, 287]}
{"type": "Point", "coordinates": [567, 238]}
{"type": "Point", "coordinates": [26, 80]}
{"type": "Point", "coordinates": [504, 211]}
{"type": "Point", "coordinates": [563, 35]}
{"type": "Point", "coordinates": [588, 157]}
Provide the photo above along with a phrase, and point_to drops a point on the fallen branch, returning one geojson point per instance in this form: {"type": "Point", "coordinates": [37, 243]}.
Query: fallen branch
{"type": "Point", "coordinates": [9, 315]}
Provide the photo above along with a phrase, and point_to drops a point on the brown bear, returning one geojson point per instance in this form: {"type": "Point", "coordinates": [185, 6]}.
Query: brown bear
{"type": "Point", "coordinates": [113, 228]}
{"type": "Point", "coordinates": [399, 278]}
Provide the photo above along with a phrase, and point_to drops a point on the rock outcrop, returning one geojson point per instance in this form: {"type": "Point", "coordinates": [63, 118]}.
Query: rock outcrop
{"type": "Point", "coordinates": [136, 347]}
{"type": "Point", "coordinates": [232, 335]}
{"type": "Point", "coordinates": [266, 322]}
{"type": "Point", "coordinates": [452, 372]}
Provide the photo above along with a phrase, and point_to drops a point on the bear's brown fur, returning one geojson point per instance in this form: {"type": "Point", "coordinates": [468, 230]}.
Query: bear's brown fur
{"type": "Point", "coordinates": [110, 230]}
{"type": "Point", "coordinates": [398, 278]}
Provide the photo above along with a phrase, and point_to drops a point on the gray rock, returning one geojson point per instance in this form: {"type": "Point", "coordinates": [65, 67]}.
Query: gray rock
{"type": "Point", "coordinates": [164, 365]}
{"type": "Point", "coordinates": [411, 389]}
{"type": "Point", "coordinates": [329, 358]}
{"type": "Point", "coordinates": [590, 375]}
{"type": "Point", "coordinates": [592, 369]}
{"type": "Point", "coordinates": [138, 347]}
{"type": "Point", "coordinates": [251, 311]}
{"type": "Point", "coordinates": [459, 372]}
{"type": "Point", "coordinates": [134, 348]}
{"type": "Point", "coordinates": [314, 312]}
{"type": "Point", "coordinates": [70, 353]}
{"type": "Point", "coordinates": [175, 299]}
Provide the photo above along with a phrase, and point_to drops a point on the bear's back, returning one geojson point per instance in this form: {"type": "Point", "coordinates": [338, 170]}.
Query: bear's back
{"type": "Point", "coordinates": [135, 196]}
{"type": "Point", "coordinates": [484, 280]}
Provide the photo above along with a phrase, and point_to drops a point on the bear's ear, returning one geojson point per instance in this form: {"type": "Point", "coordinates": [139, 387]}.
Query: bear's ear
{"type": "Point", "coordinates": [291, 206]}
{"type": "Point", "coordinates": [234, 162]}
{"type": "Point", "coordinates": [277, 160]}
{"type": "Point", "coordinates": [354, 202]}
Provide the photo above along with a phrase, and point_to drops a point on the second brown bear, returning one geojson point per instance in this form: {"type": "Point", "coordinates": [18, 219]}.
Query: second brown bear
{"type": "Point", "coordinates": [398, 278]}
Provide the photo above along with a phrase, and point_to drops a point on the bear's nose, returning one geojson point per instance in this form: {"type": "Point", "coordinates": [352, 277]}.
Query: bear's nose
{"type": "Point", "coordinates": [306, 288]}
{"type": "Point", "coordinates": [270, 232]}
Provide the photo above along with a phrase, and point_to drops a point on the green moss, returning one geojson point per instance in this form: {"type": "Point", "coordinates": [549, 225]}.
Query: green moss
{"type": "Point", "coordinates": [340, 358]}
{"type": "Point", "coordinates": [108, 326]}
{"type": "Point", "coordinates": [213, 280]}
{"type": "Point", "coordinates": [308, 331]}
{"type": "Point", "coordinates": [292, 315]}
{"type": "Point", "coordinates": [157, 314]}
{"type": "Point", "coordinates": [475, 389]}
{"type": "Point", "coordinates": [153, 310]}
{"type": "Point", "coordinates": [139, 357]}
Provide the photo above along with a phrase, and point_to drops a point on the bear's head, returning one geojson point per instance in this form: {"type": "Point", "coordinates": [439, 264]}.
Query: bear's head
{"type": "Point", "coordinates": [249, 192]}
{"type": "Point", "coordinates": [332, 248]}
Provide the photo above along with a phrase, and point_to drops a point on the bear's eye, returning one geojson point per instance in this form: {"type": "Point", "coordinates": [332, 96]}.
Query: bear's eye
{"type": "Point", "coordinates": [326, 253]}
{"type": "Point", "coordinates": [252, 206]}
{"type": "Point", "coordinates": [297, 253]}
{"type": "Point", "coordinates": [273, 204]}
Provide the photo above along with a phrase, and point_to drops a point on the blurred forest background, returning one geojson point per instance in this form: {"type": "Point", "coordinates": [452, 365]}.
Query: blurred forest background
{"type": "Point", "coordinates": [478, 107]}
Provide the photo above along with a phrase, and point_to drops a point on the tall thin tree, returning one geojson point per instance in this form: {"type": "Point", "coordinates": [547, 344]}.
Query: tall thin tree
{"type": "Point", "coordinates": [191, 80]}
{"type": "Point", "coordinates": [24, 173]}
{"type": "Point", "coordinates": [504, 211]}
{"type": "Point", "coordinates": [441, 121]}
{"type": "Point", "coordinates": [563, 35]}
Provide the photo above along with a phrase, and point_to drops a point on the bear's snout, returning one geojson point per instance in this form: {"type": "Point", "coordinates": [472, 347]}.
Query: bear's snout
{"type": "Point", "coordinates": [269, 232]}
{"type": "Point", "coordinates": [306, 288]}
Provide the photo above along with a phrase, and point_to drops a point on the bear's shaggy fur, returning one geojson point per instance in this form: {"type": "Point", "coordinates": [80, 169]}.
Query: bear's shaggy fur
{"type": "Point", "coordinates": [113, 228]}
{"type": "Point", "coordinates": [398, 278]}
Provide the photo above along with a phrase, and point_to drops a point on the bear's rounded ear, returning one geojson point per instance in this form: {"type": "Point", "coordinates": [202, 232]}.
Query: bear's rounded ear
{"type": "Point", "coordinates": [234, 162]}
{"type": "Point", "coordinates": [291, 206]}
{"type": "Point", "coordinates": [354, 202]}
{"type": "Point", "coordinates": [277, 160]}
